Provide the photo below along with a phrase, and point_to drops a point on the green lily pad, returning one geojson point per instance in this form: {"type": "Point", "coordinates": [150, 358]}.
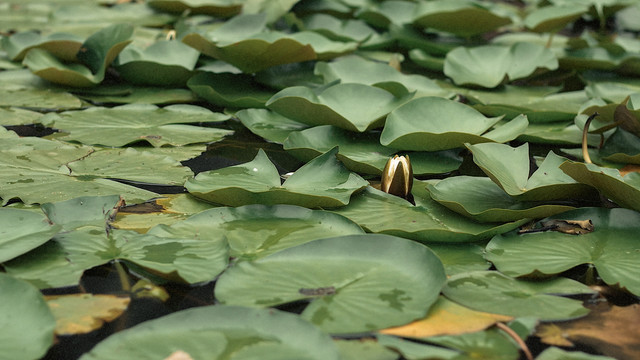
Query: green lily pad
{"type": "Point", "coordinates": [622, 146]}
{"type": "Point", "coordinates": [38, 171]}
{"type": "Point", "coordinates": [243, 43]}
{"type": "Point", "coordinates": [83, 210]}
{"type": "Point", "coordinates": [230, 90]}
{"type": "Point", "coordinates": [624, 190]}
{"type": "Point", "coordinates": [363, 153]}
{"type": "Point", "coordinates": [62, 46]}
{"type": "Point", "coordinates": [352, 106]}
{"type": "Point", "coordinates": [127, 124]}
{"type": "Point", "coordinates": [213, 332]}
{"type": "Point", "coordinates": [461, 17]}
{"type": "Point", "coordinates": [355, 69]}
{"type": "Point", "coordinates": [95, 15]}
{"type": "Point", "coordinates": [612, 248]}
{"type": "Point", "coordinates": [339, 274]}
{"type": "Point", "coordinates": [419, 125]}
{"type": "Point", "coordinates": [613, 91]}
{"type": "Point", "coordinates": [554, 353]}
{"type": "Point", "coordinates": [255, 231]}
{"type": "Point", "coordinates": [460, 258]}
{"type": "Point", "coordinates": [483, 200]}
{"type": "Point", "coordinates": [428, 221]}
{"type": "Point", "coordinates": [493, 292]}
{"type": "Point", "coordinates": [16, 116]}
{"type": "Point", "coordinates": [22, 231]}
{"type": "Point", "coordinates": [509, 168]}
{"type": "Point", "coordinates": [491, 65]}
{"type": "Point", "coordinates": [62, 261]}
{"type": "Point", "coordinates": [364, 349]}
{"type": "Point", "coordinates": [339, 30]}
{"type": "Point", "coordinates": [268, 124]}
{"type": "Point", "coordinates": [384, 13]}
{"type": "Point", "coordinates": [163, 63]}
{"type": "Point", "coordinates": [129, 94]}
{"type": "Point", "coordinates": [553, 18]}
{"type": "Point", "coordinates": [221, 8]}
{"type": "Point", "coordinates": [24, 311]}
{"type": "Point", "coordinates": [21, 88]}
{"type": "Point", "coordinates": [559, 133]}
{"type": "Point", "coordinates": [95, 55]}
{"type": "Point", "coordinates": [323, 182]}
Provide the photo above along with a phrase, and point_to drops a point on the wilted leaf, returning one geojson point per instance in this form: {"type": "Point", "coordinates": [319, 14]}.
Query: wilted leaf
{"type": "Point", "coordinates": [83, 313]}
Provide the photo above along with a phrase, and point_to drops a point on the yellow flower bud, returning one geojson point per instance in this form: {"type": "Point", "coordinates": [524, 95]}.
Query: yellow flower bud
{"type": "Point", "coordinates": [397, 176]}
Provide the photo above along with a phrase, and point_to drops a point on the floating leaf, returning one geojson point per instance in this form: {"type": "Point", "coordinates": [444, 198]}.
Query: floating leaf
{"type": "Point", "coordinates": [553, 18]}
{"type": "Point", "coordinates": [122, 125]}
{"type": "Point", "coordinates": [62, 46]}
{"type": "Point", "coordinates": [418, 125]}
{"type": "Point", "coordinates": [447, 318]}
{"type": "Point", "coordinates": [128, 94]}
{"type": "Point", "coordinates": [22, 231]}
{"type": "Point", "coordinates": [612, 248]}
{"type": "Point", "coordinates": [83, 210]}
{"type": "Point", "coordinates": [254, 231]}
{"type": "Point", "coordinates": [83, 313]}
{"type": "Point", "coordinates": [623, 190]}
{"type": "Point", "coordinates": [509, 168]}
{"type": "Point", "coordinates": [20, 88]}
{"type": "Point", "coordinates": [95, 55]}
{"type": "Point", "coordinates": [352, 106]}
{"type": "Point", "coordinates": [242, 42]}
{"type": "Point", "coordinates": [268, 124]}
{"type": "Point", "coordinates": [23, 311]}
{"type": "Point", "coordinates": [493, 292]}
{"type": "Point", "coordinates": [163, 63]}
{"type": "Point", "coordinates": [222, 8]}
{"type": "Point", "coordinates": [478, 65]}
{"type": "Point", "coordinates": [428, 221]}
{"type": "Point", "coordinates": [323, 182]}
{"type": "Point", "coordinates": [341, 274]}
{"type": "Point", "coordinates": [211, 331]}
{"type": "Point", "coordinates": [481, 199]}
{"type": "Point", "coordinates": [230, 90]}
{"type": "Point", "coordinates": [461, 17]}
{"type": "Point", "coordinates": [363, 153]}
{"type": "Point", "coordinates": [460, 258]}
{"type": "Point", "coordinates": [554, 353]}
{"type": "Point", "coordinates": [16, 116]}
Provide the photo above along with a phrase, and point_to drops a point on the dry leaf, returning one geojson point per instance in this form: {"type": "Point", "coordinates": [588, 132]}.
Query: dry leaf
{"type": "Point", "coordinates": [574, 227]}
{"type": "Point", "coordinates": [83, 313]}
{"type": "Point", "coordinates": [447, 318]}
{"type": "Point", "coordinates": [612, 330]}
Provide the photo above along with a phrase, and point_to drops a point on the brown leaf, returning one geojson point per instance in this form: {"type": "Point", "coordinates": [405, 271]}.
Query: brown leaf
{"type": "Point", "coordinates": [574, 227]}
{"type": "Point", "coordinates": [83, 313]}
{"type": "Point", "coordinates": [447, 318]}
{"type": "Point", "coordinates": [612, 330]}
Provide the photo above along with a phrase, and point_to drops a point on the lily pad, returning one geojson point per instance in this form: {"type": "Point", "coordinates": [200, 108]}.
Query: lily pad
{"type": "Point", "coordinates": [163, 63]}
{"type": "Point", "coordinates": [509, 168]}
{"type": "Point", "coordinates": [460, 258]}
{"type": "Point", "coordinates": [418, 125]}
{"type": "Point", "coordinates": [612, 248]}
{"type": "Point", "coordinates": [339, 30]}
{"type": "Point", "coordinates": [24, 311]}
{"type": "Point", "coordinates": [479, 66]}
{"type": "Point", "coordinates": [83, 313]}
{"type": "Point", "coordinates": [222, 8]}
{"type": "Point", "coordinates": [461, 17]}
{"type": "Point", "coordinates": [428, 221]}
{"type": "Point", "coordinates": [21, 88]}
{"type": "Point", "coordinates": [129, 94]}
{"type": "Point", "coordinates": [493, 292]}
{"type": "Point", "coordinates": [269, 124]}
{"type": "Point", "coordinates": [482, 200]}
{"type": "Point", "coordinates": [243, 43]}
{"type": "Point", "coordinates": [255, 231]}
{"type": "Point", "coordinates": [95, 55]}
{"type": "Point", "coordinates": [323, 182]}
{"type": "Point", "coordinates": [62, 46]}
{"type": "Point", "coordinates": [553, 18]}
{"type": "Point", "coordinates": [363, 153]}
{"type": "Point", "coordinates": [213, 331]}
{"type": "Point", "coordinates": [339, 275]}
{"type": "Point", "coordinates": [22, 231]}
{"type": "Point", "coordinates": [82, 211]}
{"type": "Point", "coordinates": [624, 190]}
{"type": "Point", "coordinates": [230, 90]}
{"type": "Point", "coordinates": [622, 146]}
{"type": "Point", "coordinates": [352, 106]}
{"type": "Point", "coordinates": [16, 116]}
{"type": "Point", "coordinates": [126, 124]}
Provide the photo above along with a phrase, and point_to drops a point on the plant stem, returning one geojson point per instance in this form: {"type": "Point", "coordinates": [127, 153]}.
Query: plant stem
{"type": "Point", "coordinates": [585, 133]}
{"type": "Point", "coordinates": [124, 277]}
{"type": "Point", "coordinates": [512, 334]}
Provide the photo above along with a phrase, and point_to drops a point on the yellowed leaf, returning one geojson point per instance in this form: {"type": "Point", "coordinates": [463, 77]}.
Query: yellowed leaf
{"type": "Point", "coordinates": [447, 318]}
{"type": "Point", "coordinates": [629, 168]}
{"type": "Point", "coordinates": [83, 313]}
{"type": "Point", "coordinates": [612, 330]}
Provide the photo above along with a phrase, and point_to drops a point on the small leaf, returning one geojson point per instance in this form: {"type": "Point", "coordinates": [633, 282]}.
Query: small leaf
{"type": "Point", "coordinates": [83, 313]}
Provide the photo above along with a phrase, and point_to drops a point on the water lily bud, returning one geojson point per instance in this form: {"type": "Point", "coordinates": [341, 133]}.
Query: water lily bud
{"type": "Point", "coordinates": [397, 176]}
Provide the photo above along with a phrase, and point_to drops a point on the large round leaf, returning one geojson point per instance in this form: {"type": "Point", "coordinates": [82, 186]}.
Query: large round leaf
{"type": "Point", "coordinates": [232, 90]}
{"type": "Point", "coordinates": [23, 230]}
{"type": "Point", "coordinates": [481, 199]}
{"type": "Point", "coordinates": [428, 221]}
{"type": "Point", "coordinates": [222, 8]}
{"type": "Point", "coordinates": [63, 46]}
{"type": "Point", "coordinates": [268, 124]}
{"type": "Point", "coordinates": [356, 283]}
{"type": "Point", "coordinates": [424, 124]}
{"type": "Point", "coordinates": [127, 124]}
{"type": "Point", "coordinates": [612, 248]}
{"type": "Point", "coordinates": [352, 106]}
{"type": "Point", "coordinates": [220, 332]}
{"type": "Point", "coordinates": [493, 292]}
{"type": "Point", "coordinates": [26, 323]}
{"type": "Point", "coordinates": [254, 231]}
{"type": "Point", "coordinates": [323, 182]}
